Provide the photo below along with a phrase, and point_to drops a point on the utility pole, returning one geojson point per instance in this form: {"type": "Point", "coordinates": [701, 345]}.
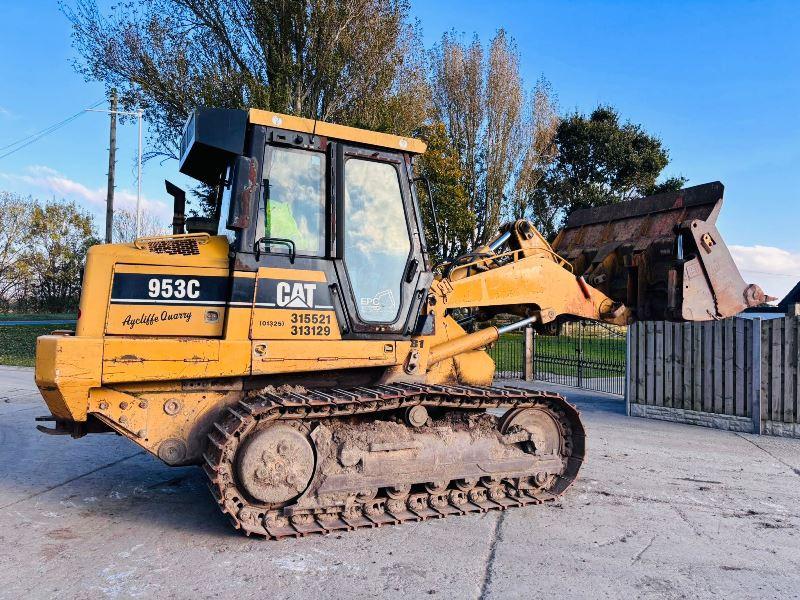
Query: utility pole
{"type": "Point", "coordinates": [139, 180]}
{"type": "Point", "coordinates": [139, 114]}
{"type": "Point", "coordinates": [112, 162]}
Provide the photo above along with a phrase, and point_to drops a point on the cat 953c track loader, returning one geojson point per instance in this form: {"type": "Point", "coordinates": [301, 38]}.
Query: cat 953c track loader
{"type": "Point", "coordinates": [299, 345]}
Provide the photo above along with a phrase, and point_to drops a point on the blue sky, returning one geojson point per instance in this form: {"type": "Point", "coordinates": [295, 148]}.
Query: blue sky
{"type": "Point", "coordinates": [718, 82]}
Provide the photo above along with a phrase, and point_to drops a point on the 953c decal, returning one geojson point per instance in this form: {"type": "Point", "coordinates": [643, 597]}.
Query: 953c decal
{"type": "Point", "coordinates": [140, 288]}
{"type": "Point", "coordinates": [169, 287]}
{"type": "Point", "coordinates": [157, 300]}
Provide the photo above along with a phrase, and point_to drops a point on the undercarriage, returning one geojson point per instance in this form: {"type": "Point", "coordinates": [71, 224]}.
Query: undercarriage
{"type": "Point", "coordinates": [288, 462]}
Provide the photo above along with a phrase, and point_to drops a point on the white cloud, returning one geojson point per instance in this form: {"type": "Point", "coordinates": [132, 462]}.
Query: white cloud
{"type": "Point", "coordinates": [45, 179]}
{"type": "Point", "coordinates": [4, 112]}
{"type": "Point", "coordinates": [776, 270]}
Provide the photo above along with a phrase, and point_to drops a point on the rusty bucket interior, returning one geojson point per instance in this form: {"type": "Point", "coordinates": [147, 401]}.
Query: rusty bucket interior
{"type": "Point", "coordinates": [660, 255]}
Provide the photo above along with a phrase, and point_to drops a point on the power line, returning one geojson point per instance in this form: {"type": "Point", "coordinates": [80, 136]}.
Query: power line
{"type": "Point", "coordinates": [51, 127]}
{"type": "Point", "coordinates": [30, 139]}
{"type": "Point", "coordinates": [768, 273]}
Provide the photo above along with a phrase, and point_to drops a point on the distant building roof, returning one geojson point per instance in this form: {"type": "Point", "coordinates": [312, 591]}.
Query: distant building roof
{"type": "Point", "coordinates": [793, 297]}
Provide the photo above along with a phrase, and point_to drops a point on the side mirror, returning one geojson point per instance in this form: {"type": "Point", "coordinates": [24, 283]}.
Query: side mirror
{"type": "Point", "coordinates": [244, 192]}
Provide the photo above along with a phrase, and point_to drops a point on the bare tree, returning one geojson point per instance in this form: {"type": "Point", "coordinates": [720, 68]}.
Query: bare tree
{"type": "Point", "coordinates": [125, 225]}
{"type": "Point", "coordinates": [501, 134]}
{"type": "Point", "coordinates": [502, 146]}
{"type": "Point", "coordinates": [457, 91]}
{"type": "Point", "coordinates": [540, 150]}
{"type": "Point", "coordinates": [15, 219]}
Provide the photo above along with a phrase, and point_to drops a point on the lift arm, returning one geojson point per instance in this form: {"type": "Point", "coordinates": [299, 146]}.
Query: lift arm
{"type": "Point", "coordinates": [659, 257]}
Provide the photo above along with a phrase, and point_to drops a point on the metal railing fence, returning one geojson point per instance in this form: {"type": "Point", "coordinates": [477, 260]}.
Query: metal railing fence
{"type": "Point", "coordinates": [585, 354]}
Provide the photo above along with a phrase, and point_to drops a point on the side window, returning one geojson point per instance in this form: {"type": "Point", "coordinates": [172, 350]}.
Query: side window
{"type": "Point", "coordinates": [376, 241]}
{"type": "Point", "coordinates": [295, 208]}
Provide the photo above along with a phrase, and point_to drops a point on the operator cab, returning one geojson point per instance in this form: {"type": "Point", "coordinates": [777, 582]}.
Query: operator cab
{"type": "Point", "coordinates": [332, 204]}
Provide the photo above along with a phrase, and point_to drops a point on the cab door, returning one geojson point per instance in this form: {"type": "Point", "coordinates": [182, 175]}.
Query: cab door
{"type": "Point", "coordinates": [379, 254]}
{"type": "Point", "coordinates": [293, 270]}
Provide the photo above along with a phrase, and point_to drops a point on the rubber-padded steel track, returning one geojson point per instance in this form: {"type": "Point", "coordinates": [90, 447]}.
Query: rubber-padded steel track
{"type": "Point", "coordinates": [320, 405]}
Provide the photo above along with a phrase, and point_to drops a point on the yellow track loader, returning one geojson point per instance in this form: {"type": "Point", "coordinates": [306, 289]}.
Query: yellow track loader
{"type": "Point", "coordinates": [300, 347]}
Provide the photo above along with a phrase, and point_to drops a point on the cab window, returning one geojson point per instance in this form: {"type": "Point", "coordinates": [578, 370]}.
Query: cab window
{"type": "Point", "coordinates": [376, 243]}
{"type": "Point", "coordinates": [295, 201]}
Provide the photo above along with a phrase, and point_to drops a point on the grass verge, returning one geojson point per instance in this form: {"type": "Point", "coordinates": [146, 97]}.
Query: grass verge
{"type": "Point", "coordinates": [18, 343]}
{"type": "Point", "coordinates": [37, 316]}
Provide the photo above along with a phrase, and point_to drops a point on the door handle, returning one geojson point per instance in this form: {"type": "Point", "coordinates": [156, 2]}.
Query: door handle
{"type": "Point", "coordinates": [411, 270]}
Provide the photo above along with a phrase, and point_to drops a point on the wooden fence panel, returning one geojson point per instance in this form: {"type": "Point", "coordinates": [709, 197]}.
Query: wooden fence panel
{"type": "Point", "coordinates": [717, 366]}
{"type": "Point", "coordinates": [669, 364]}
{"type": "Point", "coordinates": [707, 368]}
{"type": "Point", "coordinates": [789, 370]}
{"type": "Point", "coordinates": [658, 360]}
{"type": "Point", "coordinates": [707, 383]}
{"type": "Point", "coordinates": [749, 339]}
{"type": "Point", "coordinates": [642, 359]}
{"type": "Point", "coordinates": [774, 361]}
{"type": "Point", "coordinates": [633, 360]}
{"type": "Point", "coordinates": [677, 348]}
{"type": "Point", "coordinates": [740, 403]}
{"type": "Point", "coordinates": [686, 401]}
{"type": "Point", "coordinates": [796, 370]}
{"type": "Point", "coordinates": [728, 392]}
{"type": "Point", "coordinates": [697, 366]}
{"type": "Point", "coordinates": [649, 362]}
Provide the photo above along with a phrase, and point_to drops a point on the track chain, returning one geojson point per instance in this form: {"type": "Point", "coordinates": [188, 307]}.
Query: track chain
{"type": "Point", "coordinates": [313, 405]}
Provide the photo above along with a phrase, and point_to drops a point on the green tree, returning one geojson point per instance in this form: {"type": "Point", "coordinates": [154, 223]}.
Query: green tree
{"type": "Point", "coordinates": [60, 235]}
{"type": "Point", "coordinates": [599, 161]}
{"type": "Point", "coordinates": [441, 165]}
{"type": "Point", "coordinates": [354, 62]}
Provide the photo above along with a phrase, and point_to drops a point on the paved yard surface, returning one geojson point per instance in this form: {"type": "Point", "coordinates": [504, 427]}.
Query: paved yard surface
{"type": "Point", "coordinates": [662, 510]}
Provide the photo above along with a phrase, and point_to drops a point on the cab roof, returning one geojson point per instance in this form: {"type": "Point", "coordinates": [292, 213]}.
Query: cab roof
{"type": "Point", "coordinates": [336, 132]}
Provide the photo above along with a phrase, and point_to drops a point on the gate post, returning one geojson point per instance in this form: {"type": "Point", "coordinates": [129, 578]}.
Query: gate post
{"type": "Point", "coordinates": [628, 370]}
{"type": "Point", "coordinates": [527, 368]}
{"type": "Point", "coordinates": [580, 354]}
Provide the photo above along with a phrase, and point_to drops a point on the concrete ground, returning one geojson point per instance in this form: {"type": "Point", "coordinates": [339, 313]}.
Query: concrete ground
{"type": "Point", "coordinates": [661, 510]}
